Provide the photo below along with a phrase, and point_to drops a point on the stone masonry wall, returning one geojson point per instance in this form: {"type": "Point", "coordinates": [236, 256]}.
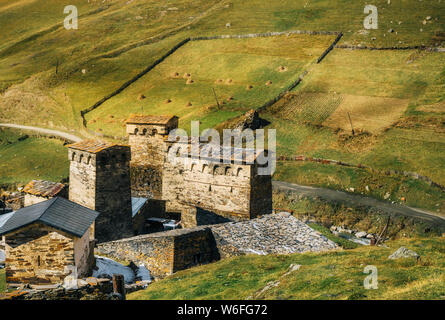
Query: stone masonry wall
{"type": "Point", "coordinates": [101, 182]}
{"type": "Point", "coordinates": [229, 190]}
{"type": "Point", "coordinates": [38, 255]}
{"type": "Point", "coordinates": [147, 157]}
{"type": "Point", "coordinates": [164, 252]}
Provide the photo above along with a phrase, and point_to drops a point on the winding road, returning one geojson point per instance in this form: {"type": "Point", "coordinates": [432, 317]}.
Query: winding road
{"type": "Point", "coordinates": [356, 200]}
{"type": "Point", "coordinates": [48, 132]}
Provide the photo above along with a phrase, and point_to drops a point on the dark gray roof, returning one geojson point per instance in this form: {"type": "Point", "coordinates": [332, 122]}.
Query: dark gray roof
{"type": "Point", "coordinates": [57, 212]}
{"type": "Point", "coordinates": [137, 204]}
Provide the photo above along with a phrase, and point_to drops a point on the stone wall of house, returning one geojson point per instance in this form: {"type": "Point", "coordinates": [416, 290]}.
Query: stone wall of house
{"type": "Point", "coordinates": [234, 191]}
{"type": "Point", "coordinates": [147, 157]}
{"type": "Point", "coordinates": [31, 199]}
{"type": "Point", "coordinates": [164, 252]}
{"type": "Point", "coordinates": [37, 254]}
{"type": "Point", "coordinates": [84, 255]}
{"type": "Point", "coordinates": [101, 182]}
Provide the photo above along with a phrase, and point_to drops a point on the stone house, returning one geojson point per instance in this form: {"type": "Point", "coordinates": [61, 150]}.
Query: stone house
{"type": "Point", "coordinates": [40, 190]}
{"type": "Point", "coordinates": [43, 239]}
{"type": "Point", "coordinates": [196, 191]}
{"type": "Point", "coordinates": [217, 189]}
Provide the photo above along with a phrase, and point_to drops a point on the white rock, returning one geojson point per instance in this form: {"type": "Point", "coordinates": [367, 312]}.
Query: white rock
{"type": "Point", "coordinates": [361, 234]}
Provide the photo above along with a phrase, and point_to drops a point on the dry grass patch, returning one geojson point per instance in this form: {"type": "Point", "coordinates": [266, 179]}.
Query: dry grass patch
{"type": "Point", "coordinates": [372, 114]}
{"type": "Point", "coordinates": [436, 107]}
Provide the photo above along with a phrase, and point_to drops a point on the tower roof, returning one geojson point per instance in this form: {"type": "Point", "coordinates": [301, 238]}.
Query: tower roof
{"type": "Point", "coordinates": [151, 119]}
{"type": "Point", "coordinates": [93, 146]}
{"type": "Point", "coordinates": [57, 212]}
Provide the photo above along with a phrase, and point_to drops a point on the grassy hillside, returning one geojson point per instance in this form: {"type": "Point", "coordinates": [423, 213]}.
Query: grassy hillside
{"type": "Point", "coordinates": [31, 158]}
{"type": "Point", "coordinates": [333, 275]}
{"type": "Point", "coordinates": [138, 32]}
{"type": "Point", "coordinates": [395, 103]}
{"type": "Point", "coordinates": [245, 73]}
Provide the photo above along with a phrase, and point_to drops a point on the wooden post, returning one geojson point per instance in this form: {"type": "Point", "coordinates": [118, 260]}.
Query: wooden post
{"type": "Point", "coordinates": [119, 285]}
{"type": "Point", "coordinates": [385, 229]}
{"type": "Point", "coordinates": [217, 102]}
{"type": "Point", "coordinates": [350, 121]}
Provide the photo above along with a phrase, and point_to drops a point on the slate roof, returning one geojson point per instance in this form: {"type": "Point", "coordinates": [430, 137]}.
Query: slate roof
{"type": "Point", "coordinates": [59, 213]}
{"type": "Point", "coordinates": [149, 119]}
{"type": "Point", "coordinates": [43, 188]}
{"type": "Point", "coordinates": [5, 217]}
{"type": "Point", "coordinates": [137, 204]}
{"type": "Point", "coordinates": [93, 146]}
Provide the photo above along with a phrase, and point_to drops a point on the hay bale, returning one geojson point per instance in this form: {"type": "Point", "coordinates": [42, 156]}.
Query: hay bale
{"type": "Point", "coordinates": [230, 98]}
{"type": "Point", "coordinates": [175, 74]}
{"type": "Point", "coordinates": [219, 81]}
{"type": "Point", "coordinates": [282, 69]}
{"type": "Point", "coordinates": [141, 97]}
{"type": "Point", "coordinates": [229, 81]}
{"type": "Point", "coordinates": [167, 101]}
{"type": "Point", "coordinates": [189, 81]}
{"type": "Point", "coordinates": [189, 104]}
{"type": "Point", "coordinates": [186, 75]}
{"type": "Point", "coordinates": [268, 83]}
{"type": "Point", "coordinates": [249, 87]}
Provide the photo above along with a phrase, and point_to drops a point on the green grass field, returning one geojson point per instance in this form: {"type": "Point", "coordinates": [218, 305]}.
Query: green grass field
{"type": "Point", "coordinates": [228, 66]}
{"type": "Point", "coordinates": [32, 158]}
{"type": "Point", "coordinates": [323, 276]}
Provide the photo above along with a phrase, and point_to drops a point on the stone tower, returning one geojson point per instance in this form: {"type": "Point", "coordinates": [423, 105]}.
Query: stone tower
{"type": "Point", "coordinates": [147, 135]}
{"type": "Point", "coordinates": [100, 180]}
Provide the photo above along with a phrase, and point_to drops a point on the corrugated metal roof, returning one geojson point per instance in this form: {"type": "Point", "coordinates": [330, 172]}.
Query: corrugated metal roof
{"type": "Point", "coordinates": [137, 204]}
{"type": "Point", "coordinates": [93, 146]}
{"type": "Point", "coordinates": [150, 119]}
{"type": "Point", "coordinates": [43, 188]}
{"type": "Point", "coordinates": [57, 212]}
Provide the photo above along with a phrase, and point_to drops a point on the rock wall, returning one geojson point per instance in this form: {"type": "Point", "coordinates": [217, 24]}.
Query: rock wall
{"type": "Point", "coordinates": [166, 252]}
{"type": "Point", "coordinates": [38, 255]}
{"type": "Point", "coordinates": [229, 190]}
{"type": "Point", "coordinates": [279, 233]}
{"type": "Point", "coordinates": [101, 182]}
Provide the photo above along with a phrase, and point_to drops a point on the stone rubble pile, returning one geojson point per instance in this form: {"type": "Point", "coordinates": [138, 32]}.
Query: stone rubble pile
{"type": "Point", "coordinates": [279, 233]}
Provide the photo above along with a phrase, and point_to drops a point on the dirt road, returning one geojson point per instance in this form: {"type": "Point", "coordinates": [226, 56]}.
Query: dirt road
{"type": "Point", "coordinates": [43, 131]}
{"type": "Point", "coordinates": [356, 200]}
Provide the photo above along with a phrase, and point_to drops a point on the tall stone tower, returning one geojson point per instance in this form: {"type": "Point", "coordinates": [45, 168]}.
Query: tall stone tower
{"type": "Point", "coordinates": [147, 135]}
{"type": "Point", "coordinates": [100, 180]}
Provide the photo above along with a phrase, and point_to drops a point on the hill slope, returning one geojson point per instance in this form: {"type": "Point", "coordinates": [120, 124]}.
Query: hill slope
{"type": "Point", "coordinates": [335, 275]}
